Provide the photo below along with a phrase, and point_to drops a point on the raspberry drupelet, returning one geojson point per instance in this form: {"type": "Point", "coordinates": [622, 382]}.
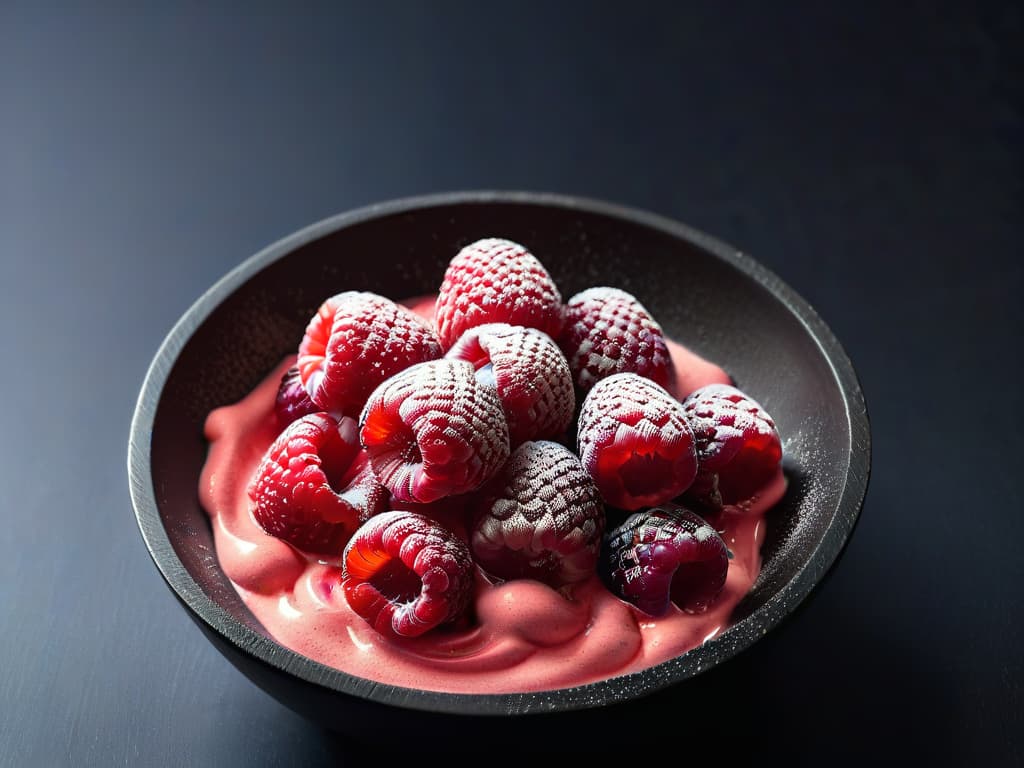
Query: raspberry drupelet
{"type": "Point", "coordinates": [405, 574]}
{"type": "Point", "coordinates": [530, 373]}
{"type": "Point", "coordinates": [607, 331]}
{"type": "Point", "coordinates": [314, 486]}
{"type": "Point", "coordinates": [496, 281]}
{"type": "Point", "coordinates": [635, 442]}
{"type": "Point", "coordinates": [434, 430]}
{"type": "Point", "coordinates": [665, 555]}
{"type": "Point", "coordinates": [739, 449]}
{"type": "Point", "coordinates": [540, 518]}
{"type": "Point", "coordinates": [355, 341]}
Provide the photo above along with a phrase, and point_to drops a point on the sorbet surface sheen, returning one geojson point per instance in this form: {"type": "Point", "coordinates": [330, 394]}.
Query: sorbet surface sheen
{"type": "Point", "coordinates": [523, 636]}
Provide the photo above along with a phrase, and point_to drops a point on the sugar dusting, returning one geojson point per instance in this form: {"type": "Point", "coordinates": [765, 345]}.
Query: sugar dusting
{"type": "Point", "coordinates": [608, 331]}
{"type": "Point", "coordinates": [544, 519]}
{"type": "Point", "coordinates": [530, 373]}
{"type": "Point", "coordinates": [495, 279]}
{"type": "Point", "coordinates": [446, 414]}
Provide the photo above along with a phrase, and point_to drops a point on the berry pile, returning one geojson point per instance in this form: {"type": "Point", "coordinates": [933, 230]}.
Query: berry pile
{"type": "Point", "coordinates": [386, 417]}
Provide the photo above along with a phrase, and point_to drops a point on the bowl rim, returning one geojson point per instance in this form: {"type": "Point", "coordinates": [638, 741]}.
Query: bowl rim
{"type": "Point", "coordinates": [721, 648]}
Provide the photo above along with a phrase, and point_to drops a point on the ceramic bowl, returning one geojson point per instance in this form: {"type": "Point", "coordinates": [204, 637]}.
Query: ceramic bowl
{"type": "Point", "coordinates": [706, 294]}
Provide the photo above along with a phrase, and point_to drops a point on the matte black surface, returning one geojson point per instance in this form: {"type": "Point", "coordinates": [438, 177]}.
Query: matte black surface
{"type": "Point", "coordinates": [733, 311]}
{"type": "Point", "coordinates": [871, 157]}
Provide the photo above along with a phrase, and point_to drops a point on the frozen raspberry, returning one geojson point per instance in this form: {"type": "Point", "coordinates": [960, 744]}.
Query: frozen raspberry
{"type": "Point", "coordinates": [433, 431]}
{"type": "Point", "coordinates": [608, 331]}
{"type": "Point", "coordinates": [530, 373]}
{"type": "Point", "coordinates": [635, 442]}
{"type": "Point", "coordinates": [666, 554]}
{"type": "Point", "coordinates": [405, 574]}
{"type": "Point", "coordinates": [540, 518]}
{"type": "Point", "coordinates": [314, 486]}
{"type": "Point", "coordinates": [496, 281]}
{"type": "Point", "coordinates": [353, 343]}
{"type": "Point", "coordinates": [292, 399]}
{"type": "Point", "coordinates": [738, 447]}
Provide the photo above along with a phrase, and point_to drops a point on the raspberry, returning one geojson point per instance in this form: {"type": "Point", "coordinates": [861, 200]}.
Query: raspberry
{"type": "Point", "coordinates": [608, 331]}
{"type": "Point", "coordinates": [666, 554]}
{"type": "Point", "coordinates": [405, 574]}
{"type": "Point", "coordinates": [540, 518]}
{"type": "Point", "coordinates": [314, 486]}
{"type": "Point", "coordinates": [292, 400]}
{"type": "Point", "coordinates": [496, 281]}
{"type": "Point", "coordinates": [530, 373]}
{"type": "Point", "coordinates": [738, 448]}
{"type": "Point", "coordinates": [433, 431]}
{"type": "Point", "coordinates": [635, 442]}
{"type": "Point", "coordinates": [353, 343]}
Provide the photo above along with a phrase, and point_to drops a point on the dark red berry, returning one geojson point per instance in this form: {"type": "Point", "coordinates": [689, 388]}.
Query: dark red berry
{"type": "Point", "coordinates": [292, 400]}
{"type": "Point", "coordinates": [530, 374]}
{"type": "Point", "coordinates": [665, 555]}
{"type": "Point", "coordinates": [405, 574]}
{"type": "Point", "coordinates": [314, 486]}
{"type": "Point", "coordinates": [433, 430]}
{"type": "Point", "coordinates": [354, 342]}
{"type": "Point", "coordinates": [635, 442]}
{"type": "Point", "coordinates": [738, 448]}
{"type": "Point", "coordinates": [607, 331]}
{"type": "Point", "coordinates": [540, 518]}
{"type": "Point", "coordinates": [496, 281]}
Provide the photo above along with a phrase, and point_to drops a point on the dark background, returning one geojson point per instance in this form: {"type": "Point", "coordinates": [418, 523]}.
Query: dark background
{"type": "Point", "coordinates": [869, 156]}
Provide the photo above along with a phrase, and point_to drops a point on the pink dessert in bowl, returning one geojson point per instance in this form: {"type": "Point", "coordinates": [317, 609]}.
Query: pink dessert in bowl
{"type": "Point", "coordinates": [441, 549]}
{"type": "Point", "coordinates": [550, 622]}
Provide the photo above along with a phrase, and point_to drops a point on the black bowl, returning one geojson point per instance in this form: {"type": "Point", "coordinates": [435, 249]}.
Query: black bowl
{"type": "Point", "coordinates": [707, 295]}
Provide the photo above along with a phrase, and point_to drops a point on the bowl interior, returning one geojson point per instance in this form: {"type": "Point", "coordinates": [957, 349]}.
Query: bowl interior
{"type": "Point", "coordinates": [721, 305]}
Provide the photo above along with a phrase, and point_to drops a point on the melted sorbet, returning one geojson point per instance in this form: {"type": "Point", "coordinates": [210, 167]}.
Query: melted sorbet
{"type": "Point", "coordinates": [521, 636]}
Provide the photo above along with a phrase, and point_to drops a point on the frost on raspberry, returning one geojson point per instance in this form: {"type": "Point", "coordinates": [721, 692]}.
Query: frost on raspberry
{"type": "Point", "coordinates": [739, 450]}
{"type": "Point", "coordinates": [355, 341]}
{"type": "Point", "coordinates": [635, 442]}
{"type": "Point", "coordinates": [434, 430]}
{"type": "Point", "coordinates": [607, 331]}
{"type": "Point", "coordinates": [496, 281]}
{"type": "Point", "coordinates": [405, 574]}
{"type": "Point", "coordinates": [665, 555]}
{"type": "Point", "coordinates": [540, 518]}
{"type": "Point", "coordinates": [530, 374]}
{"type": "Point", "coordinates": [314, 486]}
